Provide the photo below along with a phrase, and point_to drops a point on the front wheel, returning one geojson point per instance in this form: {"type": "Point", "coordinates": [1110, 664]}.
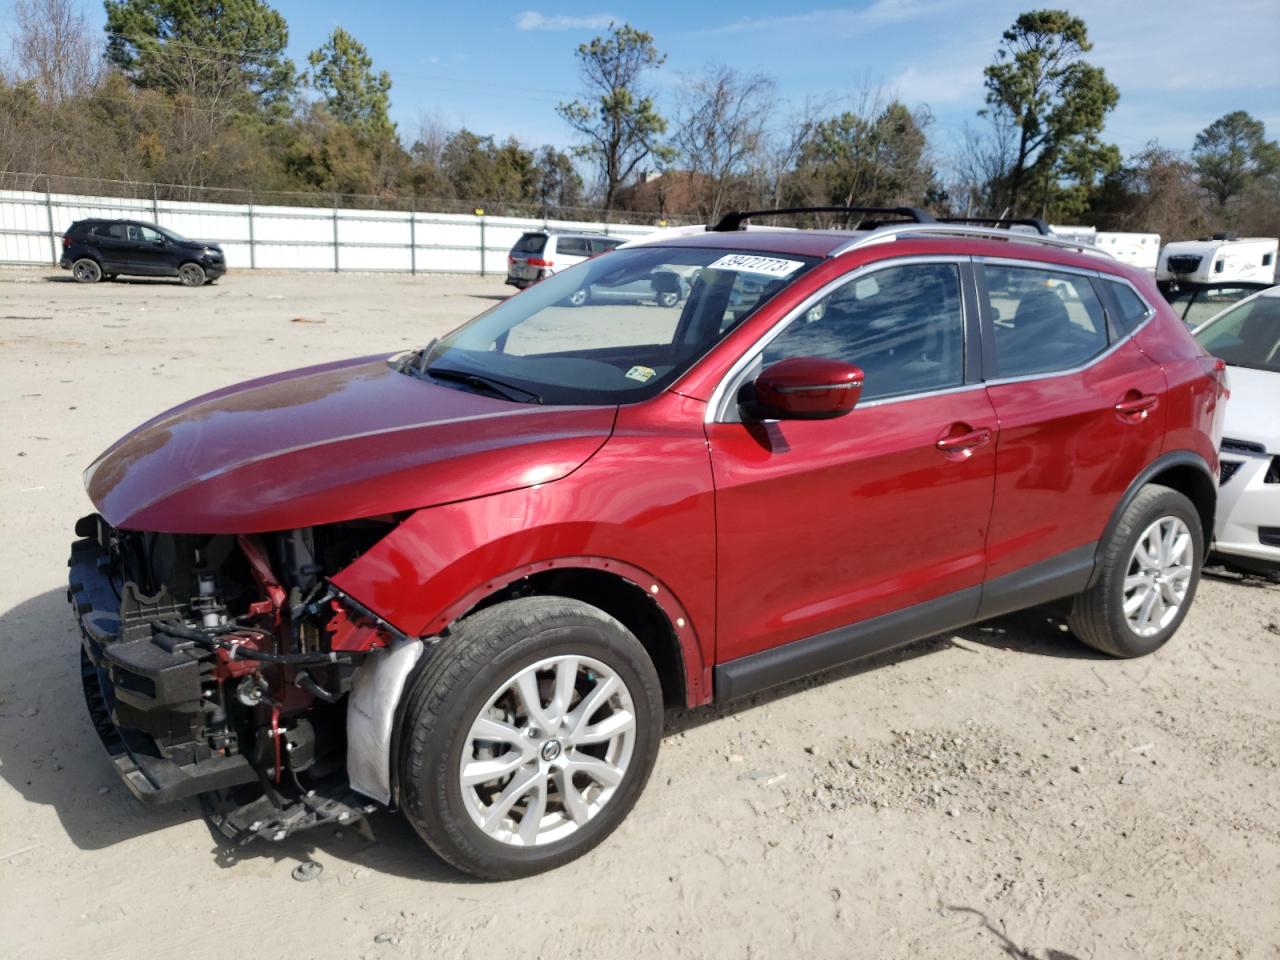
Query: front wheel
{"type": "Point", "coordinates": [578, 298]}
{"type": "Point", "coordinates": [191, 275]}
{"type": "Point", "coordinates": [528, 734]}
{"type": "Point", "coordinates": [668, 298]}
{"type": "Point", "coordinates": [1150, 568]}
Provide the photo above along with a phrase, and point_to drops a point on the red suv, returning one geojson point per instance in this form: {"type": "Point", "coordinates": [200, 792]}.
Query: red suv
{"type": "Point", "coordinates": [464, 581]}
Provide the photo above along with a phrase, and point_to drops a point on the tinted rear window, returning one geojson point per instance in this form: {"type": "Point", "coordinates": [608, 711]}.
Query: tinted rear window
{"type": "Point", "coordinates": [530, 243]}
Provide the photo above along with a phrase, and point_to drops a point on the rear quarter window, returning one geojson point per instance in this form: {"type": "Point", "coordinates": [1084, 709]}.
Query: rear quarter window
{"type": "Point", "coordinates": [1131, 309]}
{"type": "Point", "coordinates": [573, 247]}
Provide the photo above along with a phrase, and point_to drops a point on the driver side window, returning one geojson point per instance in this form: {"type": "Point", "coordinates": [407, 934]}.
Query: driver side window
{"type": "Point", "coordinates": [903, 325]}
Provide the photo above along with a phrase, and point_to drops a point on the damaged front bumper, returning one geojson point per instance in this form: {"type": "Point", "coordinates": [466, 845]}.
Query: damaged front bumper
{"type": "Point", "coordinates": [144, 697]}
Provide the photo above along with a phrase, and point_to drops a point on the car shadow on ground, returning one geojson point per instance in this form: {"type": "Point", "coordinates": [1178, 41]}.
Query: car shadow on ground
{"type": "Point", "coordinates": [50, 754]}
{"type": "Point", "coordinates": [128, 281]}
{"type": "Point", "coordinates": [1039, 632]}
{"type": "Point", "coordinates": [490, 296]}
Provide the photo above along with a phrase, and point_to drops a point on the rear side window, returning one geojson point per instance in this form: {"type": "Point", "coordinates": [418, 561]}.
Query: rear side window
{"type": "Point", "coordinates": [904, 326]}
{"type": "Point", "coordinates": [1131, 310]}
{"type": "Point", "coordinates": [117, 231]}
{"type": "Point", "coordinates": [531, 243]}
{"type": "Point", "coordinates": [1044, 320]}
{"type": "Point", "coordinates": [601, 244]}
{"type": "Point", "coordinates": [573, 247]}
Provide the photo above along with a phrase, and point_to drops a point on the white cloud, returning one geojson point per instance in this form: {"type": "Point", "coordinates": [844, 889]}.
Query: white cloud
{"type": "Point", "coordinates": [533, 20]}
{"type": "Point", "coordinates": [844, 21]}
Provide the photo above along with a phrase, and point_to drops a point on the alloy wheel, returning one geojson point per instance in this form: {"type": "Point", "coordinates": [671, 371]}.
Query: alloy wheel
{"type": "Point", "coordinates": [1158, 575]}
{"type": "Point", "coordinates": [547, 751]}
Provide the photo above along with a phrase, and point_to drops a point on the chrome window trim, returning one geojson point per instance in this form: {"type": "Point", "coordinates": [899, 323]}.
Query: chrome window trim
{"type": "Point", "coordinates": [717, 405]}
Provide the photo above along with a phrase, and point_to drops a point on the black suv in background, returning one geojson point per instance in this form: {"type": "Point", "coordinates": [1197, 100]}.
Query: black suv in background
{"type": "Point", "coordinates": [94, 250]}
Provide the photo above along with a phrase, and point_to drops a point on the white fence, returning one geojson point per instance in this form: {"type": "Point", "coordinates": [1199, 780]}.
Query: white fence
{"type": "Point", "coordinates": [287, 238]}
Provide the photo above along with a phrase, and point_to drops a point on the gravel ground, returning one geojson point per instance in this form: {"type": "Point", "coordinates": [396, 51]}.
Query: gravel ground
{"type": "Point", "coordinates": [1003, 792]}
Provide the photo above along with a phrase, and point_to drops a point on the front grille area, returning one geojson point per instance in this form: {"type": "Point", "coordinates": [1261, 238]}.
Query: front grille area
{"type": "Point", "coordinates": [1270, 536]}
{"type": "Point", "coordinates": [1273, 471]}
{"type": "Point", "coordinates": [1241, 446]}
{"type": "Point", "coordinates": [1227, 471]}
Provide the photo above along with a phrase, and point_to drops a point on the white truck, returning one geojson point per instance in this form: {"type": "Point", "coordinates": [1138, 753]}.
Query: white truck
{"type": "Point", "coordinates": [1218, 260]}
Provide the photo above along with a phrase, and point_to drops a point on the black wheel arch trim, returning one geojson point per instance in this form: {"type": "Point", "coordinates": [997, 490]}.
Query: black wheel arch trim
{"type": "Point", "coordinates": [1173, 458]}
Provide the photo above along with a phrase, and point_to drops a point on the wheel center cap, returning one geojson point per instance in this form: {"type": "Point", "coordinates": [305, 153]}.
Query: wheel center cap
{"type": "Point", "coordinates": [550, 750]}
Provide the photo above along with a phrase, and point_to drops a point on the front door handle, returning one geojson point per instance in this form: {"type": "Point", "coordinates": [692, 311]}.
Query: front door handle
{"type": "Point", "coordinates": [963, 442]}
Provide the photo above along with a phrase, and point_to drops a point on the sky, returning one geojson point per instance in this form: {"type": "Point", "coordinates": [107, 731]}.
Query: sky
{"type": "Point", "coordinates": [501, 68]}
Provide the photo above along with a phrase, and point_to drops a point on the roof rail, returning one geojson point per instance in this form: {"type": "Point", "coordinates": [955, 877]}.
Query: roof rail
{"type": "Point", "coordinates": [734, 220]}
{"type": "Point", "coordinates": [895, 230]}
{"type": "Point", "coordinates": [1040, 226]}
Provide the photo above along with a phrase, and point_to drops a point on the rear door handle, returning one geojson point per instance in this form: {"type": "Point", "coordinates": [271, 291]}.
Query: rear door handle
{"type": "Point", "coordinates": [964, 441]}
{"type": "Point", "coordinates": [1137, 407]}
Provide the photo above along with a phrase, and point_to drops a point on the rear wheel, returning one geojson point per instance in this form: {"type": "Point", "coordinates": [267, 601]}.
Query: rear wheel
{"type": "Point", "coordinates": [668, 298]}
{"type": "Point", "coordinates": [578, 298]}
{"type": "Point", "coordinates": [1150, 568]}
{"type": "Point", "coordinates": [191, 275]}
{"type": "Point", "coordinates": [86, 271]}
{"type": "Point", "coordinates": [528, 733]}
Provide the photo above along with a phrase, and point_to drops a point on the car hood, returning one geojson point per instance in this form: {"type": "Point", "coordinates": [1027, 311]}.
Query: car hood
{"type": "Point", "coordinates": [329, 443]}
{"type": "Point", "coordinates": [1251, 411]}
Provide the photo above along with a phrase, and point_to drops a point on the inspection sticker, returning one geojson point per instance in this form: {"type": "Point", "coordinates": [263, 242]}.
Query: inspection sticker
{"type": "Point", "coordinates": [643, 374]}
{"type": "Point", "coordinates": [769, 266]}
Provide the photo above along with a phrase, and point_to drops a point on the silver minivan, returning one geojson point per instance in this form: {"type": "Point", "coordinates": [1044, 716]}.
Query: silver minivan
{"type": "Point", "coordinates": [540, 253]}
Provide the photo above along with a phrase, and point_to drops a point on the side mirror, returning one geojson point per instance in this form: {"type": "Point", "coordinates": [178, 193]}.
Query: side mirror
{"type": "Point", "coordinates": [804, 388]}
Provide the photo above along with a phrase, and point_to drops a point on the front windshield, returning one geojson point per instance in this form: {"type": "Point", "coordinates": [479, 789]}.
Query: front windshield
{"type": "Point", "coordinates": [1247, 336]}
{"type": "Point", "coordinates": [614, 329]}
{"type": "Point", "coordinates": [175, 237]}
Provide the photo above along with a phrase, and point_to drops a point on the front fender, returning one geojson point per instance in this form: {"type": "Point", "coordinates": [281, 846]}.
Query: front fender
{"type": "Point", "coordinates": [643, 508]}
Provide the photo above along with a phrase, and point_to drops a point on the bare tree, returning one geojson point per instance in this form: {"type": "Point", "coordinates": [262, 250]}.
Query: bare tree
{"type": "Point", "coordinates": [981, 166]}
{"type": "Point", "coordinates": [720, 133]}
{"type": "Point", "coordinates": [54, 49]}
{"type": "Point", "coordinates": [782, 152]}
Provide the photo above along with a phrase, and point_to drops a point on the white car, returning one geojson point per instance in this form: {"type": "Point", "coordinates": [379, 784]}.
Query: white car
{"type": "Point", "coordinates": [1247, 337]}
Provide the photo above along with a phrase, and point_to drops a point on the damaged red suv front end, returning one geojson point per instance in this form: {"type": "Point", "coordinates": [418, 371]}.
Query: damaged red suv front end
{"type": "Point", "coordinates": [218, 648]}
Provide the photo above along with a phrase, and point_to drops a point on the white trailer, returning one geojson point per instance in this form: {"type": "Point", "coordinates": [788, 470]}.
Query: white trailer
{"type": "Point", "coordinates": [1141, 250]}
{"type": "Point", "coordinates": [1219, 261]}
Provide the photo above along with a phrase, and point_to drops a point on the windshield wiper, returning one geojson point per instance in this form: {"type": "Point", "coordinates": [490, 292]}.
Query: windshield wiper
{"type": "Point", "coordinates": [478, 381]}
{"type": "Point", "coordinates": [416, 362]}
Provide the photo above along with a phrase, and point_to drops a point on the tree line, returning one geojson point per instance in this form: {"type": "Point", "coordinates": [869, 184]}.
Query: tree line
{"type": "Point", "coordinates": [200, 93]}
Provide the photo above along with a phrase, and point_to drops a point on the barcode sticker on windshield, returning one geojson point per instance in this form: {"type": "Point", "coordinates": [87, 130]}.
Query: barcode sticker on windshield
{"type": "Point", "coordinates": [769, 266]}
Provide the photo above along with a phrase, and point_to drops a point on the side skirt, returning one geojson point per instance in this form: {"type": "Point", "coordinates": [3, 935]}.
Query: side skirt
{"type": "Point", "coordinates": [1053, 579]}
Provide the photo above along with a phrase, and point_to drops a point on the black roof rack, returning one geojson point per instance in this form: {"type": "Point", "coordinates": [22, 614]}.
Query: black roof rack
{"type": "Point", "coordinates": [734, 220]}
{"type": "Point", "coordinates": [1041, 227]}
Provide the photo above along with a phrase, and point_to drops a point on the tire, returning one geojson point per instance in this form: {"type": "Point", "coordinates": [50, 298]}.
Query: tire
{"type": "Point", "coordinates": [1109, 616]}
{"type": "Point", "coordinates": [668, 298]}
{"type": "Point", "coordinates": [191, 275]}
{"type": "Point", "coordinates": [86, 270]}
{"type": "Point", "coordinates": [578, 298]}
{"type": "Point", "coordinates": [470, 678]}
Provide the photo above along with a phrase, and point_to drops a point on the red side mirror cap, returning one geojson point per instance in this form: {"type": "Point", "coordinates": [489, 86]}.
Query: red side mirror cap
{"type": "Point", "coordinates": [806, 388]}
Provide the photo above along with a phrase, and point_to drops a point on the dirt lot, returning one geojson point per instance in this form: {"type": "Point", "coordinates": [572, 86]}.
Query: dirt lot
{"type": "Point", "coordinates": [1006, 794]}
